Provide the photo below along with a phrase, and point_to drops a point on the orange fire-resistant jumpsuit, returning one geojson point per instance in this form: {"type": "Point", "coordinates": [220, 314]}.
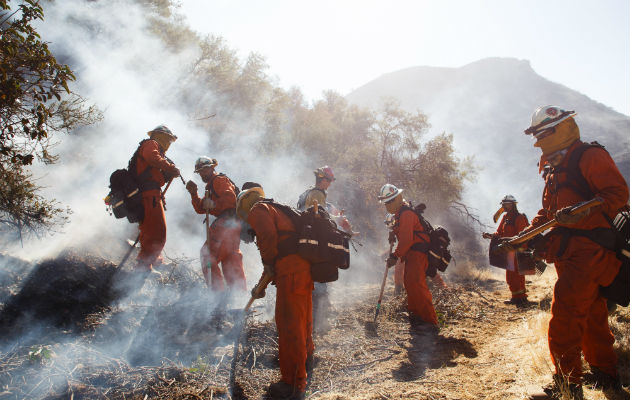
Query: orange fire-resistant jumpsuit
{"type": "Point", "coordinates": [579, 320]}
{"type": "Point", "coordinates": [153, 225]}
{"type": "Point", "coordinates": [511, 224]}
{"type": "Point", "coordinates": [224, 234]}
{"type": "Point", "coordinates": [294, 307]}
{"type": "Point", "coordinates": [399, 276]}
{"type": "Point", "coordinates": [409, 231]}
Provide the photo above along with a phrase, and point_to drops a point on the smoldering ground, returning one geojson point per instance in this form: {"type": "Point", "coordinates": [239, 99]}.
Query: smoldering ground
{"type": "Point", "coordinates": [137, 82]}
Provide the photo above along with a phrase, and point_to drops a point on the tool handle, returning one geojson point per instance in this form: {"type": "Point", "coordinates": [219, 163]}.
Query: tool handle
{"type": "Point", "coordinates": [133, 246]}
{"type": "Point", "coordinates": [578, 208]}
{"type": "Point", "coordinates": [380, 296]}
{"type": "Point", "coordinates": [260, 286]}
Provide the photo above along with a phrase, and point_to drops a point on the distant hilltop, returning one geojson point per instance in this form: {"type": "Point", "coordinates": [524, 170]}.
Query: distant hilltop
{"type": "Point", "coordinates": [486, 105]}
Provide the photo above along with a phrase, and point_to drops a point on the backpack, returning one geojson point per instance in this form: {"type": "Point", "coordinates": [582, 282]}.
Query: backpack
{"type": "Point", "coordinates": [318, 240]}
{"type": "Point", "coordinates": [301, 203]}
{"type": "Point", "coordinates": [617, 291]}
{"type": "Point", "coordinates": [126, 186]}
{"type": "Point", "coordinates": [436, 249]}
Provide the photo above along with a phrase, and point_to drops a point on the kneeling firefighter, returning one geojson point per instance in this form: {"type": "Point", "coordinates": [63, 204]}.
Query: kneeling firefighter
{"type": "Point", "coordinates": [412, 250]}
{"type": "Point", "coordinates": [153, 170]}
{"type": "Point", "coordinates": [292, 277]}
{"type": "Point", "coordinates": [223, 236]}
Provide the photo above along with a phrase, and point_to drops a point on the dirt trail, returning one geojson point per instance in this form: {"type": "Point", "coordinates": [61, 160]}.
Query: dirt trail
{"type": "Point", "coordinates": [485, 349]}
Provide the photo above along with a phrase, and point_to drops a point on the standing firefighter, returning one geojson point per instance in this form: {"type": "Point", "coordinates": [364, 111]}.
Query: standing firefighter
{"type": "Point", "coordinates": [579, 317]}
{"type": "Point", "coordinates": [324, 176]}
{"type": "Point", "coordinates": [223, 236]}
{"type": "Point", "coordinates": [411, 249]}
{"type": "Point", "coordinates": [153, 170]}
{"type": "Point", "coordinates": [399, 269]}
{"type": "Point", "coordinates": [275, 238]}
{"type": "Point", "coordinates": [511, 224]}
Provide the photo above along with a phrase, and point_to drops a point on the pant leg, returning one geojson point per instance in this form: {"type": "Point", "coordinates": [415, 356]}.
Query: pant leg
{"type": "Point", "coordinates": [152, 230]}
{"type": "Point", "coordinates": [399, 274]}
{"type": "Point", "coordinates": [578, 313]}
{"type": "Point", "coordinates": [230, 256]}
{"type": "Point", "coordinates": [293, 312]}
{"type": "Point", "coordinates": [216, 276]}
{"type": "Point", "coordinates": [598, 340]}
{"type": "Point", "coordinates": [516, 283]}
{"type": "Point", "coordinates": [419, 299]}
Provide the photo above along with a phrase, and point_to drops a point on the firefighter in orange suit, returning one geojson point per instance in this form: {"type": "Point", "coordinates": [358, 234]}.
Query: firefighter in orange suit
{"type": "Point", "coordinates": [153, 169]}
{"type": "Point", "coordinates": [579, 317]}
{"type": "Point", "coordinates": [292, 277]}
{"type": "Point", "coordinates": [412, 250]}
{"type": "Point", "coordinates": [511, 224]}
{"type": "Point", "coordinates": [224, 233]}
{"type": "Point", "coordinates": [399, 268]}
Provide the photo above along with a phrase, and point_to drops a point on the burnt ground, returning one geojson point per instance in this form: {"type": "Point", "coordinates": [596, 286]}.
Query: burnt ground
{"type": "Point", "coordinates": [69, 332]}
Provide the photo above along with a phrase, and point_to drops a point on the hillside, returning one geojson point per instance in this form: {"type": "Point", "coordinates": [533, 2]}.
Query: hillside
{"type": "Point", "coordinates": [486, 105]}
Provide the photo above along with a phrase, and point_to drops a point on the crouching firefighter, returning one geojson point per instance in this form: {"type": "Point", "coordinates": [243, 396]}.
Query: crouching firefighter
{"type": "Point", "coordinates": [223, 236]}
{"type": "Point", "coordinates": [153, 170]}
{"type": "Point", "coordinates": [578, 247]}
{"type": "Point", "coordinates": [276, 240]}
{"type": "Point", "coordinates": [412, 250]}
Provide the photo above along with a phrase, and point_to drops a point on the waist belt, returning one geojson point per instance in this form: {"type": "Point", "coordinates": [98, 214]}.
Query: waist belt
{"type": "Point", "coordinates": [604, 237]}
{"type": "Point", "coordinates": [230, 212]}
{"type": "Point", "coordinates": [148, 185]}
{"type": "Point", "coordinates": [421, 247]}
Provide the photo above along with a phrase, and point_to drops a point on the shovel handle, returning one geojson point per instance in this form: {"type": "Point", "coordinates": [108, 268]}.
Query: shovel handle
{"type": "Point", "coordinates": [576, 209]}
{"type": "Point", "coordinates": [380, 296]}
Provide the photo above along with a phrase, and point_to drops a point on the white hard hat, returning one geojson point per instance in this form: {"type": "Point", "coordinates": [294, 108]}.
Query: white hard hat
{"type": "Point", "coordinates": [546, 117]}
{"type": "Point", "coordinates": [388, 192]}
{"type": "Point", "coordinates": [203, 162]}
{"type": "Point", "coordinates": [162, 129]}
{"type": "Point", "coordinates": [509, 199]}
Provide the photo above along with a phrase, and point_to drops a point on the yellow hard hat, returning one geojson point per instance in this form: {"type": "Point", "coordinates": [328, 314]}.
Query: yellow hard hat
{"type": "Point", "coordinates": [246, 200]}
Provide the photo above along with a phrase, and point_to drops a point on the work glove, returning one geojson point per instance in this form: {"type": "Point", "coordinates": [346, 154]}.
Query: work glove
{"type": "Point", "coordinates": [391, 261]}
{"type": "Point", "coordinates": [392, 237]}
{"type": "Point", "coordinates": [505, 246]}
{"type": "Point", "coordinates": [191, 187]}
{"type": "Point", "coordinates": [564, 217]}
{"type": "Point", "coordinates": [171, 173]}
{"type": "Point", "coordinates": [207, 204]}
{"type": "Point", "coordinates": [487, 235]}
{"type": "Point", "coordinates": [256, 294]}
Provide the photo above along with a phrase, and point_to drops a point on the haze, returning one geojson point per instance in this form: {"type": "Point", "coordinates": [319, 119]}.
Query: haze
{"type": "Point", "coordinates": [335, 45]}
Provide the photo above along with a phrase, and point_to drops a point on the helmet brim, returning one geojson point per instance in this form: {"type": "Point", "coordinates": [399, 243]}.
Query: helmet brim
{"type": "Point", "coordinates": [387, 199]}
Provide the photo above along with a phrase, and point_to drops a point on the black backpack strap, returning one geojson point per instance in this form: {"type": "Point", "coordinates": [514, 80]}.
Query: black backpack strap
{"type": "Point", "coordinates": [575, 179]}
{"type": "Point", "coordinates": [288, 245]}
{"type": "Point", "coordinates": [143, 179]}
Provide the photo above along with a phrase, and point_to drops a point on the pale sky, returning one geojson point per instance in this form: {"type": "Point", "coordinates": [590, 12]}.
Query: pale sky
{"type": "Point", "coordinates": [341, 45]}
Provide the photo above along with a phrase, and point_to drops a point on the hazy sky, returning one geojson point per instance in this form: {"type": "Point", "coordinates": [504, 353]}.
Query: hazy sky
{"type": "Point", "coordinates": [343, 44]}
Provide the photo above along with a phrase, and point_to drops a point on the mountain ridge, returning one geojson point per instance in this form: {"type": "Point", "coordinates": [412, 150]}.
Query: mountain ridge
{"type": "Point", "coordinates": [486, 105]}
